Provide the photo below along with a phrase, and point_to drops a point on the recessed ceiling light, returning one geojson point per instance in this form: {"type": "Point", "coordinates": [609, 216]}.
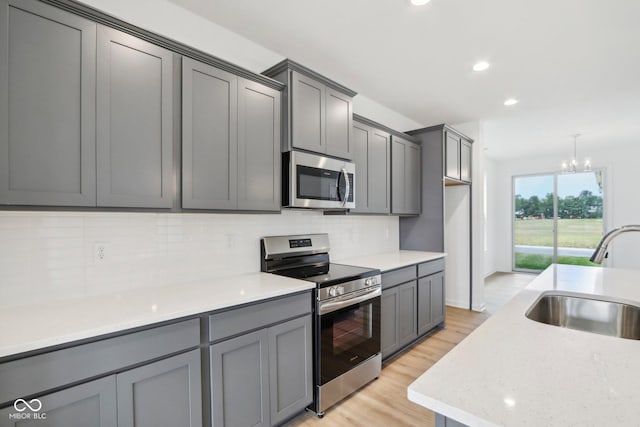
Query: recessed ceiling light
{"type": "Point", "coordinates": [480, 66]}
{"type": "Point", "coordinates": [511, 101]}
{"type": "Point", "coordinates": [419, 2]}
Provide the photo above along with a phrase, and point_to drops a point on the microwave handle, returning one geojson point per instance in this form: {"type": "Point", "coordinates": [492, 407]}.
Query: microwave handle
{"type": "Point", "coordinates": [347, 187]}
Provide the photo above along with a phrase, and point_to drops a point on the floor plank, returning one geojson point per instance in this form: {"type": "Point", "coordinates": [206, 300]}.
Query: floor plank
{"type": "Point", "coordinates": [384, 401]}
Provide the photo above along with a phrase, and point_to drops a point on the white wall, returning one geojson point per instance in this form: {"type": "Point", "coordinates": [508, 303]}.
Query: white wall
{"type": "Point", "coordinates": [492, 240]}
{"type": "Point", "coordinates": [622, 204]}
{"type": "Point", "coordinates": [174, 22]}
{"type": "Point", "coordinates": [50, 255]}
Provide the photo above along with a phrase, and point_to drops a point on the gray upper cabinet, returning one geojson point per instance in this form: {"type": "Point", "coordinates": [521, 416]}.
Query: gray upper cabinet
{"type": "Point", "coordinates": [259, 112]}
{"type": "Point", "coordinates": [209, 137]}
{"type": "Point", "coordinates": [163, 393]}
{"type": "Point", "coordinates": [307, 113]}
{"type": "Point", "coordinates": [338, 123]}
{"type": "Point", "coordinates": [452, 155]}
{"type": "Point", "coordinates": [405, 177]}
{"type": "Point", "coordinates": [465, 161]}
{"type": "Point", "coordinates": [318, 111]}
{"type": "Point", "coordinates": [457, 154]}
{"type": "Point", "coordinates": [92, 404]}
{"type": "Point", "coordinates": [47, 94]}
{"type": "Point", "coordinates": [230, 141]}
{"type": "Point", "coordinates": [372, 156]}
{"type": "Point", "coordinates": [134, 122]}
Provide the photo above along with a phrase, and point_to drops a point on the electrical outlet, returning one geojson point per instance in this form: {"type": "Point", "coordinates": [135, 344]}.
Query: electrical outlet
{"type": "Point", "coordinates": [100, 252]}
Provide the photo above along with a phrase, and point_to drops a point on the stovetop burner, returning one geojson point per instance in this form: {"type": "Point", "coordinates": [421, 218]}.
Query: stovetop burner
{"type": "Point", "coordinates": [329, 274]}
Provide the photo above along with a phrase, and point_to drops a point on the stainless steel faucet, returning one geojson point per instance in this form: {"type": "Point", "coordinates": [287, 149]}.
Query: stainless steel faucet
{"type": "Point", "coordinates": [601, 251]}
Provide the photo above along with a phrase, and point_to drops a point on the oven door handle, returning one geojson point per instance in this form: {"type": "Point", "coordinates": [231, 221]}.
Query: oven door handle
{"type": "Point", "coordinates": [334, 306]}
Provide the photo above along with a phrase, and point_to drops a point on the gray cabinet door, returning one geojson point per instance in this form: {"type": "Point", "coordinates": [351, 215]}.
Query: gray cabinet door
{"type": "Point", "coordinates": [413, 178]}
{"type": "Point", "coordinates": [465, 161]}
{"type": "Point", "coordinates": [290, 368]}
{"type": "Point", "coordinates": [379, 172]}
{"type": "Point", "coordinates": [424, 305]}
{"type": "Point", "coordinates": [398, 201]}
{"type": "Point", "coordinates": [209, 137]}
{"type": "Point", "coordinates": [240, 381]}
{"type": "Point", "coordinates": [407, 312]}
{"type": "Point", "coordinates": [405, 177]}
{"type": "Point", "coordinates": [307, 111]}
{"type": "Point", "coordinates": [452, 155]}
{"type": "Point", "coordinates": [361, 146]}
{"type": "Point", "coordinates": [88, 405]}
{"type": "Point", "coordinates": [47, 98]}
{"type": "Point", "coordinates": [437, 298]}
{"type": "Point", "coordinates": [164, 393]}
{"type": "Point", "coordinates": [389, 341]}
{"type": "Point", "coordinates": [134, 122]}
{"type": "Point", "coordinates": [338, 122]}
{"type": "Point", "coordinates": [259, 157]}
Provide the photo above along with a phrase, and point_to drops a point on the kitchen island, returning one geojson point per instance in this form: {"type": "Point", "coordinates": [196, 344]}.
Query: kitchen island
{"type": "Point", "coordinates": [513, 371]}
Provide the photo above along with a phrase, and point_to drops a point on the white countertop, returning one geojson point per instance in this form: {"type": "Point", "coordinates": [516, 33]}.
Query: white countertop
{"type": "Point", "coordinates": [513, 371]}
{"type": "Point", "coordinates": [391, 260]}
{"type": "Point", "coordinates": [31, 327]}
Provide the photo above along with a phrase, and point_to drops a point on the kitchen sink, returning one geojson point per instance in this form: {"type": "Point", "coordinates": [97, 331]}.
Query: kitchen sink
{"type": "Point", "coordinates": [587, 314]}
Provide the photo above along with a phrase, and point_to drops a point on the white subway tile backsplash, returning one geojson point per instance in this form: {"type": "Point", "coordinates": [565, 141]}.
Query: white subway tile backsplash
{"type": "Point", "coordinates": [50, 255]}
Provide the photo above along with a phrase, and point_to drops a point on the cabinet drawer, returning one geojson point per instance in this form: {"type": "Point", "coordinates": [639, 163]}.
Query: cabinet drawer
{"type": "Point", "coordinates": [430, 267]}
{"type": "Point", "coordinates": [245, 319]}
{"type": "Point", "coordinates": [37, 374]}
{"type": "Point", "coordinates": [395, 277]}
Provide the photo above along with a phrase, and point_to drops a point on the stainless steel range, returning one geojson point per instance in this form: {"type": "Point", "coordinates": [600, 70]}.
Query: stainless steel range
{"type": "Point", "coordinates": [347, 314]}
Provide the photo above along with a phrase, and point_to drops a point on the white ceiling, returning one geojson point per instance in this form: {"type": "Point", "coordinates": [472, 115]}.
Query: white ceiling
{"type": "Point", "coordinates": [573, 64]}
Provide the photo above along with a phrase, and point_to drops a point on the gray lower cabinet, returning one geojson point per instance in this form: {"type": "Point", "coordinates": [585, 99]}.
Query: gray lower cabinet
{"type": "Point", "coordinates": [389, 341]}
{"type": "Point", "coordinates": [230, 141]}
{"type": "Point", "coordinates": [92, 404]}
{"type": "Point", "coordinates": [407, 312]}
{"type": "Point", "coordinates": [164, 393]}
{"type": "Point", "coordinates": [240, 381]}
{"type": "Point", "coordinates": [412, 304]}
{"type": "Point", "coordinates": [134, 122]}
{"type": "Point", "coordinates": [405, 177]}
{"type": "Point", "coordinates": [398, 317]}
{"type": "Point", "coordinates": [264, 377]}
{"type": "Point", "coordinates": [430, 302]}
{"type": "Point", "coordinates": [47, 80]}
{"type": "Point", "coordinates": [290, 370]}
{"type": "Point", "coordinates": [372, 156]}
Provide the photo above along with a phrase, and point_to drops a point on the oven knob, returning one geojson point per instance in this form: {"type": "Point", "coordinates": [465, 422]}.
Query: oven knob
{"type": "Point", "coordinates": [333, 292]}
{"type": "Point", "coordinates": [368, 282]}
{"type": "Point", "coordinates": [340, 290]}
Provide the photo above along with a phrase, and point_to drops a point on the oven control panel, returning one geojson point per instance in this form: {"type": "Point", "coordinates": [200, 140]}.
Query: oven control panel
{"type": "Point", "coordinates": [349, 287]}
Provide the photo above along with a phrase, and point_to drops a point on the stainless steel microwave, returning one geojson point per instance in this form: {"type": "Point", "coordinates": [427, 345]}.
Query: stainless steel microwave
{"type": "Point", "coordinates": [314, 181]}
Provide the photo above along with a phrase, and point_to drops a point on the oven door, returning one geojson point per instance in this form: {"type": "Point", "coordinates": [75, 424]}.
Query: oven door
{"type": "Point", "coordinates": [320, 182]}
{"type": "Point", "coordinates": [347, 336]}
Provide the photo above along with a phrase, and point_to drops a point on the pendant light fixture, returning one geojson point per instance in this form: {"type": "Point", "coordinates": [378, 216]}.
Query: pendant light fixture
{"type": "Point", "coordinates": [572, 165]}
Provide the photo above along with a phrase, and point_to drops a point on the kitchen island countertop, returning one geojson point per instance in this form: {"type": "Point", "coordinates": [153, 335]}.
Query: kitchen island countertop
{"type": "Point", "coordinates": [37, 326]}
{"type": "Point", "coordinates": [513, 371]}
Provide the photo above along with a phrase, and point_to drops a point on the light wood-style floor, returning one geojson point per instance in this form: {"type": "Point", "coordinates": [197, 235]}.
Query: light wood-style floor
{"type": "Point", "coordinates": [384, 401]}
{"type": "Point", "coordinates": [499, 288]}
